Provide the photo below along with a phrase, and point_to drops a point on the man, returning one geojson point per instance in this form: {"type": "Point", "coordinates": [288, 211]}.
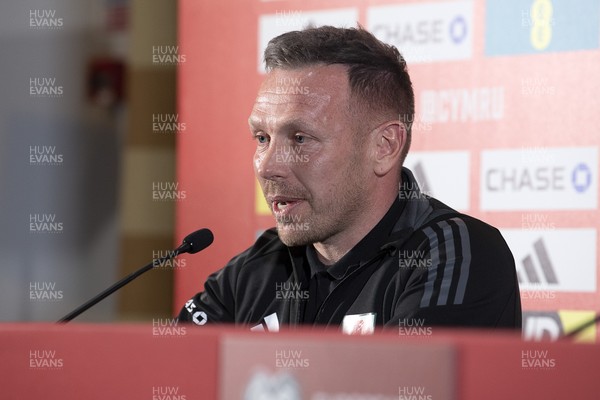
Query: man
{"type": "Point", "coordinates": [357, 245]}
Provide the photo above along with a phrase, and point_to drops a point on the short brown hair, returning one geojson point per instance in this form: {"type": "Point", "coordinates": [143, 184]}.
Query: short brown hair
{"type": "Point", "coordinates": [377, 73]}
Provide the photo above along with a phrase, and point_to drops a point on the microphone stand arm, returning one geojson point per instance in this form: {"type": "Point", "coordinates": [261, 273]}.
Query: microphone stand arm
{"type": "Point", "coordinates": [107, 292]}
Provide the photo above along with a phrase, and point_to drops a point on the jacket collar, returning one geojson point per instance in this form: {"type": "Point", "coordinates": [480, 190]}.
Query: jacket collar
{"type": "Point", "coordinates": [409, 211]}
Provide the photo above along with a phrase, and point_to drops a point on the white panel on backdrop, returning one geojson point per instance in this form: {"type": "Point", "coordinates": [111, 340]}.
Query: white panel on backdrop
{"type": "Point", "coordinates": [425, 32]}
{"type": "Point", "coordinates": [272, 25]}
{"type": "Point", "coordinates": [443, 175]}
{"type": "Point", "coordinates": [539, 179]}
{"type": "Point", "coordinates": [562, 260]}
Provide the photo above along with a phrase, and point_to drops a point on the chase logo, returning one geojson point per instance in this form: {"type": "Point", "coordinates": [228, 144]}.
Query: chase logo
{"type": "Point", "coordinates": [539, 179]}
{"type": "Point", "coordinates": [536, 26]}
{"type": "Point", "coordinates": [551, 325]}
{"type": "Point", "coordinates": [425, 32]}
{"type": "Point", "coordinates": [581, 177]}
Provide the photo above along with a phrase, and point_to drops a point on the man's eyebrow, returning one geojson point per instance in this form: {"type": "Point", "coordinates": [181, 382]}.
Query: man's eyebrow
{"type": "Point", "coordinates": [256, 123]}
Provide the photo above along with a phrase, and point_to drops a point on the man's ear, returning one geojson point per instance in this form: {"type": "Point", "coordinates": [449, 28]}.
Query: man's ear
{"type": "Point", "coordinates": [389, 139]}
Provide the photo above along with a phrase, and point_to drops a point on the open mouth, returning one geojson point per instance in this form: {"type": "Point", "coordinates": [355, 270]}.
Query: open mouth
{"type": "Point", "coordinates": [283, 205]}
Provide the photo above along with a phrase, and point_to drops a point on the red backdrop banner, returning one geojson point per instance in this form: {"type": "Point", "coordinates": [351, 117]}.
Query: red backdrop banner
{"type": "Point", "coordinates": [505, 129]}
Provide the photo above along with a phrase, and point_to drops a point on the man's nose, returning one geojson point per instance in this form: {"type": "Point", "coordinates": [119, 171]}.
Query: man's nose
{"type": "Point", "coordinates": [271, 164]}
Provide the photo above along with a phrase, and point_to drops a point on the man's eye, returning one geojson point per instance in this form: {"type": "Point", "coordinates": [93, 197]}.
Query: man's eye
{"type": "Point", "coordinates": [300, 138]}
{"type": "Point", "coordinates": [261, 138]}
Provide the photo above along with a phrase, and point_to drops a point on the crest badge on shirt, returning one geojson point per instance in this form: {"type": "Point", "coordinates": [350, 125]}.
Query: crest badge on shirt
{"type": "Point", "coordinates": [270, 322]}
{"type": "Point", "coordinates": [359, 324]}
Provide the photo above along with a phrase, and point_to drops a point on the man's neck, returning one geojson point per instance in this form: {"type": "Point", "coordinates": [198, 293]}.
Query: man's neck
{"type": "Point", "coordinates": [334, 248]}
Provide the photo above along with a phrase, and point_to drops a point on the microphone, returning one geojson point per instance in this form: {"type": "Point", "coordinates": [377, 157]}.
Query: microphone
{"type": "Point", "coordinates": [195, 242]}
{"type": "Point", "coordinates": [192, 244]}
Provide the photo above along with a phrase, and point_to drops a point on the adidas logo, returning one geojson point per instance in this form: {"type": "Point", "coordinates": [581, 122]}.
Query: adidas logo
{"type": "Point", "coordinates": [544, 273]}
{"type": "Point", "coordinates": [554, 260]}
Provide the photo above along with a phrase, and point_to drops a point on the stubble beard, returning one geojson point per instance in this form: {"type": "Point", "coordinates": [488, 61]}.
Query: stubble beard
{"type": "Point", "coordinates": [328, 217]}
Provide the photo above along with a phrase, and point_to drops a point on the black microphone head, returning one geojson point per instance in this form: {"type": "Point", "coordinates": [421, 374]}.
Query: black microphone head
{"type": "Point", "coordinates": [197, 241]}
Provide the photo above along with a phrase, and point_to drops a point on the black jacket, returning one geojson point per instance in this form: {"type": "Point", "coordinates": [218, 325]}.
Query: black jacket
{"type": "Point", "coordinates": [424, 264]}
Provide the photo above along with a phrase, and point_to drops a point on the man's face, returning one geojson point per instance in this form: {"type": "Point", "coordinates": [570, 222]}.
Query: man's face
{"type": "Point", "coordinates": [311, 166]}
